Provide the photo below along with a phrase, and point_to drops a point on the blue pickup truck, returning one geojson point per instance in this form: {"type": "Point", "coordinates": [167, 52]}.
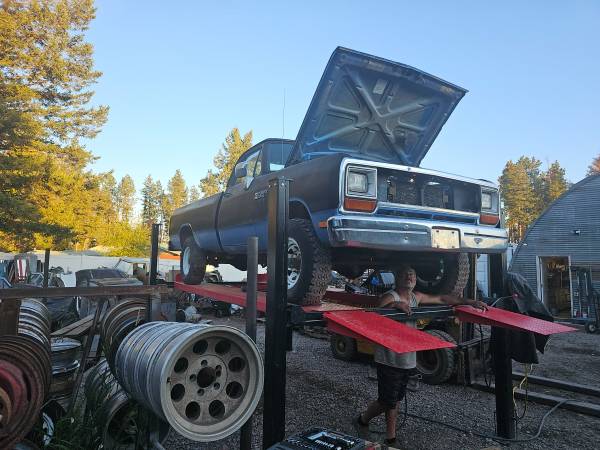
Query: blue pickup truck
{"type": "Point", "coordinates": [358, 198]}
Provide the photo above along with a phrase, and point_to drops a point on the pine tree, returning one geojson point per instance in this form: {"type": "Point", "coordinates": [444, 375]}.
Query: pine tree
{"type": "Point", "coordinates": [594, 167]}
{"type": "Point", "coordinates": [555, 183]}
{"type": "Point", "coordinates": [194, 194]}
{"type": "Point", "coordinates": [46, 195]}
{"type": "Point", "coordinates": [235, 144]}
{"type": "Point", "coordinates": [125, 198]}
{"type": "Point", "coordinates": [151, 202]}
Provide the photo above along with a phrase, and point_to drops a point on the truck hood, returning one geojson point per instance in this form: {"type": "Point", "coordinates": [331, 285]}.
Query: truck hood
{"type": "Point", "coordinates": [375, 109]}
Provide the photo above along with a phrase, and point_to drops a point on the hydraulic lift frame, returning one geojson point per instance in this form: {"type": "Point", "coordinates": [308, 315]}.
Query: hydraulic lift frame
{"type": "Point", "coordinates": [281, 318]}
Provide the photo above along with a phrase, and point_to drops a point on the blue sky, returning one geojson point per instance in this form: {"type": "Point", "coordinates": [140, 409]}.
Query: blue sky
{"type": "Point", "coordinates": [179, 75]}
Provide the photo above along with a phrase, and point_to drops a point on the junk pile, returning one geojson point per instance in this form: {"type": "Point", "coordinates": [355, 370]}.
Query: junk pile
{"type": "Point", "coordinates": [25, 372]}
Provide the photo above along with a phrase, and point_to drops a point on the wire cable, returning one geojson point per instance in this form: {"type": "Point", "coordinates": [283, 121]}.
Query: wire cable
{"type": "Point", "coordinates": [492, 437]}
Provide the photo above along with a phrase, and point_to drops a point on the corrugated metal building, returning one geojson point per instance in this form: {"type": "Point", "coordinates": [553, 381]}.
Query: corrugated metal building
{"type": "Point", "coordinates": [561, 247]}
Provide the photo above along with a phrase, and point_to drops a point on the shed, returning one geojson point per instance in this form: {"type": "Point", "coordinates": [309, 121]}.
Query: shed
{"type": "Point", "coordinates": [561, 250]}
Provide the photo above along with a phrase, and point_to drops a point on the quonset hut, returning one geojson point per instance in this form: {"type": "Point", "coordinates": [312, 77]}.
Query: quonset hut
{"type": "Point", "coordinates": [560, 254]}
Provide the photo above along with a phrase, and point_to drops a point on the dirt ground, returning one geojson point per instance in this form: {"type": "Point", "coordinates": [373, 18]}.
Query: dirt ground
{"type": "Point", "coordinates": [327, 392]}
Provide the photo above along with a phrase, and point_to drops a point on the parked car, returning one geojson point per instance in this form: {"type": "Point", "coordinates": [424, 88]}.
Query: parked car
{"type": "Point", "coordinates": [358, 199]}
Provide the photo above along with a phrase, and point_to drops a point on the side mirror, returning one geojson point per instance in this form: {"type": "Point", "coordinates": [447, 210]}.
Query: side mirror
{"type": "Point", "coordinates": [241, 170]}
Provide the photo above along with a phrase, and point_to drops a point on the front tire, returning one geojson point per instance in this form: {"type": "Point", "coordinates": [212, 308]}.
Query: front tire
{"type": "Point", "coordinates": [192, 262]}
{"type": "Point", "coordinates": [449, 275]}
{"type": "Point", "coordinates": [309, 264]}
{"type": "Point", "coordinates": [437, 366]}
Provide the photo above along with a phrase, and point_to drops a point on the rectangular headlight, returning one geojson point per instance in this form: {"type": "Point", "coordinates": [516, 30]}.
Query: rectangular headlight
{"type": "Point", "coordinates": [358, 182]}
{"type": "Point", "coordinates": [361, 182]}
{"type": "Point", "coordinates": [486, 200]}
{"type": "Point", "coordinates": [489, 201]}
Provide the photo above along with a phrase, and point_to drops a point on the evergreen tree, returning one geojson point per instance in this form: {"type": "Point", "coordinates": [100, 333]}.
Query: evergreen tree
{"type": "Point", "coordinates": [555, 182]}
{"type": "Point", "coordinates": [175, 197]}
{"type": "Point", "coordinates": [194, 194]}
{"type": "Point", "coordinates": [125, 198]}
{"type": "Point", "coordinates": [151, 202]}
{"type": "Point", "coordinates": [235, 144]}
{"type": "Point", "coordinates": [526, 191]}
{"type": "Point", "coordinates": [594, 167]}
{"type": "Point", "coordinates": [46, 195]}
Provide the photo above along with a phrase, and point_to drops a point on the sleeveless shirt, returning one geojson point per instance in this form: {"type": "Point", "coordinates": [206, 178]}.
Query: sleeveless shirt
{"type": "Point", "coordinates": [388, 357]}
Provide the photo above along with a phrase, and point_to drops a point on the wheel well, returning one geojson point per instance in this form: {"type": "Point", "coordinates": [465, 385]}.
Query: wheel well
{"type": "Point", "coordinates": [298, 211]}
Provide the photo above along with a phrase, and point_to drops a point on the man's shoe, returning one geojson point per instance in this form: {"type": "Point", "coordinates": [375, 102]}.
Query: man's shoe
{"type": "Point", "coordinates": [361, 430]}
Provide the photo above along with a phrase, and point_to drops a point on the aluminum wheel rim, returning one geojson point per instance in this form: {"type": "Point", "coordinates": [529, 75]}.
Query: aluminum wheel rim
{"type": "Point", "coordinates": [294, 262]}
{"type": "Point", "coordinates": [222, 384]}
{"type": "Point", "coordinates": [185, 262]}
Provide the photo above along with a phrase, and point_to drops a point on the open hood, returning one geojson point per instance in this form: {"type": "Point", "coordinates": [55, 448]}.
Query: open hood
{"type": "Point", "coordinates": [374, 109]}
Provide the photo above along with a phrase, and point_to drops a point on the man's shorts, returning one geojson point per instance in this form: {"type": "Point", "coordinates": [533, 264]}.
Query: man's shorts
{"type": "Point", "coordinates": [391, 384]}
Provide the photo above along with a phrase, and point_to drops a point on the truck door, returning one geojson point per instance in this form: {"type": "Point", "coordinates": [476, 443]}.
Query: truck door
{"type": "Point", "coordinates": [274, 156]}
{"type": "Point", "coordinates": [236, 215]}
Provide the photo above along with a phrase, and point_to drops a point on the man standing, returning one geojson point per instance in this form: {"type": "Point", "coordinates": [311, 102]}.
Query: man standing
{"type": "Point", "coordinates": [394, 369]}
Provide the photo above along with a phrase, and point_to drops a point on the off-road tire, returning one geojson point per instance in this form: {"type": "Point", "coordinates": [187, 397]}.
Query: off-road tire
{"type": "Point", "coordinates": [454, 279]}
{"type": "Point", "coordinates": [315, 270]}
{"type": "Point", "coordinates": [197, 262]}
{"type": "Point", "coordinates": [343, 347]}
{"type": "Point", "coordinates": [437, 366]}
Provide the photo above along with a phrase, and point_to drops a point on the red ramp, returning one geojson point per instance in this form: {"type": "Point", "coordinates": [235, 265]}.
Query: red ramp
{"type": "Point", "coordinates": [380, 330]}
{"type": "Point", "coordinates": [497, 317]}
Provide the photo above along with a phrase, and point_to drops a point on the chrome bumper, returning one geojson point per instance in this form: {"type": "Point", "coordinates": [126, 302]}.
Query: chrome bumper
{"type": "Point", "coordinates": [414, 235]}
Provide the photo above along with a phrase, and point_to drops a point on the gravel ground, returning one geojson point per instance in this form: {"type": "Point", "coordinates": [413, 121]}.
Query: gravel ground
{"type": "Point", "coordinates": [327, 392]}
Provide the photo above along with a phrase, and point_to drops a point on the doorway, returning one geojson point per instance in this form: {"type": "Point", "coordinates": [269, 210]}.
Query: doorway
{"type": "Point", "coordinates": [554, 280]}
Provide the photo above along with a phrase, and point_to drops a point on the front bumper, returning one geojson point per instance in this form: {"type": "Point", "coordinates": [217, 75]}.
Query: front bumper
{"type": "Point", "coordinates": [414, 235]}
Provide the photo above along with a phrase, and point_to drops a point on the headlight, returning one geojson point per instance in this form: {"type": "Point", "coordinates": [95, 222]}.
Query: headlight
{"type": "Point", "coordinates": [489, 200]}
{"type": "Point", "coordinates": [358, 182]}
{"type": "Point", "coordinates": [361, 182]}
{"type": "Point", "coordinates": [486, 200]}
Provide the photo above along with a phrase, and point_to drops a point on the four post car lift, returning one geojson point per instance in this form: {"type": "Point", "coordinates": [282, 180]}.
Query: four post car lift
{"type": "Point", "coordinates": [378, 325]}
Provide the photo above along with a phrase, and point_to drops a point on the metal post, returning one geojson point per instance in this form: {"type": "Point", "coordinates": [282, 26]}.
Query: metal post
{"type": "Point", "coordinates": [251, 275]}
{"type": "Point", "coordinates": [505, 425]}
{"type": "Point", "coordinates": [152, 313]}
{"type": "Point", "coordinates": [154, 252]}
{"type": "Point", "coordinates": [46, 266]}
{"type": "Point", "coordinates": [275, 345]}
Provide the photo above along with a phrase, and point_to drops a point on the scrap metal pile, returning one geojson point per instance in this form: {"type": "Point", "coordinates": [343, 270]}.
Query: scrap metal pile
{"type": "Point", "coordinates": [25, 373]}
{"type": "Point", "coordinates": [203, 381]}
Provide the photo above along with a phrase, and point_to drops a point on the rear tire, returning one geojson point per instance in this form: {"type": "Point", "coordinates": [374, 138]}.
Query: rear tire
{"type": "Point", "coordinates": [437, 366]}
{"type": "Point", "coordinates": [343, 347]}
{"type": "Point", "coordinates": [192, 262]}
{"type": "Point", "coordinates": [309, 264]}
{"type": "Point", "coordinates": [450, 277]}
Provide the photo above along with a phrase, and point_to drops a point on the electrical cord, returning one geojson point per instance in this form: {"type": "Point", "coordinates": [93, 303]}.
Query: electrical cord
{"type": "Point", "coordinates": [483, 435]}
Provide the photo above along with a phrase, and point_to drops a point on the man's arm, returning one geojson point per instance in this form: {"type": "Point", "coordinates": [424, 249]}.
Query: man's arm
{"type": "Point", "coordinates": [446, 299]}
{"type": "Point", "coordinates": [388, 301]}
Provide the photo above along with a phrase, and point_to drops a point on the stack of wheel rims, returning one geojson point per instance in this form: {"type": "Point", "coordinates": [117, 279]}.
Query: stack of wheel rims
{"type": "Point", "coordinates": [25, 376]}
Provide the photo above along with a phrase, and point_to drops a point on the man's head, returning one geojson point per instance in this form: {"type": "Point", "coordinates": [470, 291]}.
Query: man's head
{"type": "Point", "coordinates": [406, 277]}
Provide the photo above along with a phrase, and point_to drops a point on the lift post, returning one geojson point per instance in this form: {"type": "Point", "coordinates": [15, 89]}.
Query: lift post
{"type": "Point", "coordinates": [276, 323]}
{"type": "Point", "coordinates": [505, 424]}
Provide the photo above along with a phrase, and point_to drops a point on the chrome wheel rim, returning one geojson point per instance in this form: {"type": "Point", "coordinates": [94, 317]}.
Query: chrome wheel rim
{"type": "Point", "coordinates": [294, 262]}
{"type": "Point", "coordinates": [185, 262]}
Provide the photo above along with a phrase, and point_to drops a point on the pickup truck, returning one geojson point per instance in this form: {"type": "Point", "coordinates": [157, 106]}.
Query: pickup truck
{"type": "Point", "coordinates": [358, 198]}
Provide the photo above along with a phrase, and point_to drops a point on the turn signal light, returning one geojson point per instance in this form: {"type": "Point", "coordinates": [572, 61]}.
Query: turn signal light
{"type": "Point", "coordinates": [359, 204]}
{"type": "Point", "coordinates": [489, 219]}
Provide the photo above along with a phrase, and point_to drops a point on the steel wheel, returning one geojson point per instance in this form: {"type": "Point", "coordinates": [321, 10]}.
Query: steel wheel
{"type": "Point", "coordinates": [185, 261]}
{"type": "Point", "coordinates": [206, 381]}
{"type": "Point", "coordinates": [294, 265]}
